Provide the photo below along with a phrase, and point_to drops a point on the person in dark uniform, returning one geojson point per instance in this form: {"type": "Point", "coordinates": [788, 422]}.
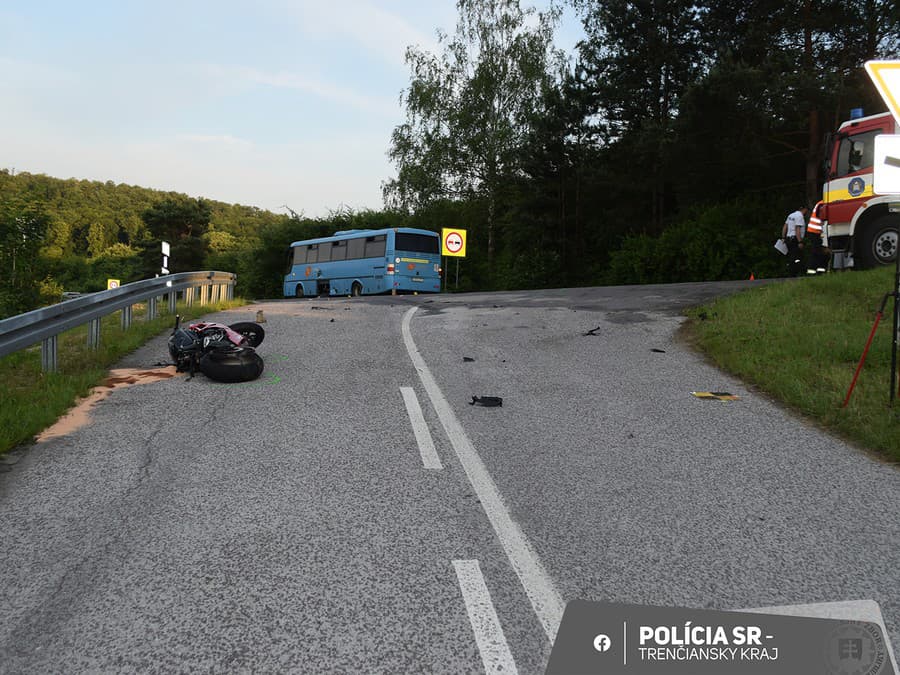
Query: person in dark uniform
{"type": "Point", "coordinates": [818, 256]}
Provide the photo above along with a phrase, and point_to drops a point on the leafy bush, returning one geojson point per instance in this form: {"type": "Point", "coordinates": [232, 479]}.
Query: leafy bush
{"type": "Point", "coordinates": [713, 243]}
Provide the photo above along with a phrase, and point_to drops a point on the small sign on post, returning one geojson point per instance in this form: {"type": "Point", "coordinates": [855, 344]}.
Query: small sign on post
{"type": "Point", "coordinates": [112, 283]}
{"type": "Point", "coordinates": [165, 258]}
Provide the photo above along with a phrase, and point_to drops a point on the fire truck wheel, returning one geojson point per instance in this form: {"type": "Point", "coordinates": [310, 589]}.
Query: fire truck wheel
{"type": "Point", "coordinates": [878, 244]}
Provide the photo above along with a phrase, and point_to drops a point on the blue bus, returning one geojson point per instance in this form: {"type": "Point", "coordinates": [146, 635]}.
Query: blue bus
{"type": "Point", "coordinates": [365, 262]}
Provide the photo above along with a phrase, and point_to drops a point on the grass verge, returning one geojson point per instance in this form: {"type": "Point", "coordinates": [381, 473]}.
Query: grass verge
{"type": "Point", "coordinates": [30, 400]}
{"type": "Point", "coordinates": [801, 341]}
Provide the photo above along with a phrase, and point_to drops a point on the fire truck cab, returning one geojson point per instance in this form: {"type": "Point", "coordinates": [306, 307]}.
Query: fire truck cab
{"type": "Point", "coordinates": [862, 227]}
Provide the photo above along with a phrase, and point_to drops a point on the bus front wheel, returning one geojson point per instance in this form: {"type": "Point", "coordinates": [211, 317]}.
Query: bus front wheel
{"type": "Point", "coordinates": [298, 293]}
{"type": "Point", "coordinates": [356, 289]}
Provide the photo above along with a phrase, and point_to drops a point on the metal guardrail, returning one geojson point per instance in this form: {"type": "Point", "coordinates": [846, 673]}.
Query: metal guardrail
{"type": "Point", "coordinates": [44, 325]}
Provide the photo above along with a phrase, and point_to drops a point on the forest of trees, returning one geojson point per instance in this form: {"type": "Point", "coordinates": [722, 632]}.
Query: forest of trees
{"type": "Point", "coordinates": [667, 148]}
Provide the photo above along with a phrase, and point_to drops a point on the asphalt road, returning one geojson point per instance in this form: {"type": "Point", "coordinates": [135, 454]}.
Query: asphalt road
{"type": "Point", "coordinates": [292, 524]}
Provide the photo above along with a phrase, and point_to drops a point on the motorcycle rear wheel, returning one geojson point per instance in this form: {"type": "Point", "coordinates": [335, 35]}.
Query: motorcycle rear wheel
{"type": "Point", "coordinates": [241, 364]}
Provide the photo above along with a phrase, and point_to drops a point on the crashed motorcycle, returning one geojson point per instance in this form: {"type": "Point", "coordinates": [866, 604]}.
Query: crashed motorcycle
{"type": "Point", "coordinates": [222, 353]}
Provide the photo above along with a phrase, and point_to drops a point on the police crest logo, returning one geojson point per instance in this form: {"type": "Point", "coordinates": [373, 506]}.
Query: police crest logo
{"type": "Point", "coordinates": [855, 648]}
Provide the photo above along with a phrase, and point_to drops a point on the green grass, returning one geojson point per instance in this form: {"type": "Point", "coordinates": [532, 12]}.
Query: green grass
{"type": "Point", "coordinates": [31, 401]}
{"type": "Point", "coordinates": [801, 341]}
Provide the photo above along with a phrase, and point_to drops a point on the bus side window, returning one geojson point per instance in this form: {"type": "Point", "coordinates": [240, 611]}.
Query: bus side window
{"type": "Point", "coordinates": [356, 249]}
{"type": "Point", "coordinates": [300, 255]}
{"type": "Point", "coordinates": [375, 246]}
{"type": "Point", "coordinates": [313, 255]}
{"type": "Point", "coordinates": [324, 253]}
{"type": "Point", "coordinates": [339, 250]}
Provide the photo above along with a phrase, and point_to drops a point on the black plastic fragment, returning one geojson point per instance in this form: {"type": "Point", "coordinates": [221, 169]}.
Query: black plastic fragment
{"type": "Point", "coordinates": [487, 401]}
{"type": "Point", "coordinates": [593, 331]}
{"type": "Point", "coordinates": [468, 359]}
{"type": "Point", "coordinates": [658, 351]}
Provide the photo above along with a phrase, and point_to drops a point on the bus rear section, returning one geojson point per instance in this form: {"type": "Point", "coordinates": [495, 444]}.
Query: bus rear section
{"type": "Point", "coordinates": [417, 261]}
{"type": "Point", "coordinates": [365, 262]}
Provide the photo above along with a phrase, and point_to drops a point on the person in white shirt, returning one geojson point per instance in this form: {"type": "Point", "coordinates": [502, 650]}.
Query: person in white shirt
{"type": "Point", "coordinates": [792, 232]}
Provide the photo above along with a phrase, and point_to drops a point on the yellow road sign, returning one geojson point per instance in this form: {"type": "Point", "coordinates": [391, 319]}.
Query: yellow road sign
{"type": "Point", "coordinates": [453, 242]}
{"type": "Point", "coordinates": [112, 283]}
{"type": "Point", "coordinates": [886, 76]}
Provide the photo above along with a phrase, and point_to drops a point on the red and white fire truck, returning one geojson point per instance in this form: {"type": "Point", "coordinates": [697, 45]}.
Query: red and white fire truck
{"type": "Point", "coordinates": [862, 227]}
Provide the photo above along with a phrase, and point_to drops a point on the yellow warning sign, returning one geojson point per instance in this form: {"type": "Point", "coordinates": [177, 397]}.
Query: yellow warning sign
{"type": "Point", "coordinates": [453, 242]}
{"type": "Point", "coordinates": [112, 283]}
{"type": "Point", "coordinates": [886, 76]}
{"type": "Point", "coordinates": [716, 395]}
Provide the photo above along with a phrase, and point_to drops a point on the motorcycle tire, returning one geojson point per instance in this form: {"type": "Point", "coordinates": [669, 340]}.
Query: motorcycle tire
{"type": "Point", "coordinates": [240, 364]}
{"type": "Point", "coordinates": [253, 332]}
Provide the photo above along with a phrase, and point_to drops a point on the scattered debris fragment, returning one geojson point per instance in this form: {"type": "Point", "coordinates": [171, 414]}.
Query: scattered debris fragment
{"type": "Point", "coordinates": [658, 351]}
{"type": "Point", "coordinates": [716, 395]}
{"type": "Point", "coordinates": [487, 401]}
{"type": "Point", "coordinates": [468, 359]}
{"type": "Point", "coordinates": [332, 321]}
{"type": "Point", "coordinates": [593, 331]}
{"type": "Point", "coordinates": [260, 317]}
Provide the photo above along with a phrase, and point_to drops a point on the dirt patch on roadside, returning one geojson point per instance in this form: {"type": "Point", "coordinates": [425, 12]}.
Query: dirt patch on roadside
{"type": "Point", "coordinates": [80, 414]}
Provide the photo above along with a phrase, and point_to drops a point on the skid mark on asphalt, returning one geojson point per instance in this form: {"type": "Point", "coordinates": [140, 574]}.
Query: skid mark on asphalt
{"type": "Point", "coordinates": [541, 592]}
{"type": "Point", "coordinates": [80, 414]}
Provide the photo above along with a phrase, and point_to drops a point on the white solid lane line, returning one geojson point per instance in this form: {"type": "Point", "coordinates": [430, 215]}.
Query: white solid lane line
{"type": "Point", "coordinates": [539, 588]}
{"type": "Point", "coordinates": [492, 645]}
{"type": "Point", "coordinates": [423, 437]}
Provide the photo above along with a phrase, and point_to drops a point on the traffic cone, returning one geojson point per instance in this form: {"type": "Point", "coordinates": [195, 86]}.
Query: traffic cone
{"type": "Point", "coordinates": [752, 278]}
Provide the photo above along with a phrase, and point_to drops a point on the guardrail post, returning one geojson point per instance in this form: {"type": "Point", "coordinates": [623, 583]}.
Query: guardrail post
{"type": "Point", "coordinates": [151, 308]}
{"type": "Point", "coordinates": [189, 296]}
{"type": "Point", "coordinates": [127, 316]}
{"type": "Point", "coordinates": [93, 336]}
{"type": "Point", "coordinates": [173, 299]}
{"type": "Point", "coordinates": [204, 295]}
{"type": "Point", "coordinates": [49, 354]}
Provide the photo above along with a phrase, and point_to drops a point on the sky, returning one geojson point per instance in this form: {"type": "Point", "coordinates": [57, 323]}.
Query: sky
{"type": "Point", "coordinates": [270, 103]}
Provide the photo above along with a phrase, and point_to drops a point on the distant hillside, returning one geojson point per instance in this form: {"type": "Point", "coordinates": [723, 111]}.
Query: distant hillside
{"type": "Point", "coordinates": [73, 235]}
{"type": "Point", "coordinates": [88, 218]}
